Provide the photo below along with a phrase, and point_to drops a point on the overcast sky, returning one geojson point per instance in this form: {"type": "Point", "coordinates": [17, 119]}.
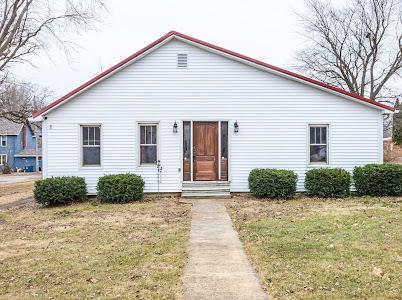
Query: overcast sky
{"type": "Point", "coordinates": [264, 29]}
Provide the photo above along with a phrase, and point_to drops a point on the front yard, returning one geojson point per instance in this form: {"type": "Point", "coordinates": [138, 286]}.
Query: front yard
{"type": "Point", "coordinates": [97, 251]}
{"type": "Point", "coordinates": [338, 249]}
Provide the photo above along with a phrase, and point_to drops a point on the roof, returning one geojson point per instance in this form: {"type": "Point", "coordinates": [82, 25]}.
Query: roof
{"type": "Point", "coordinates": [28, 153]}
{"type": "Point", "coordinates": [174, 34]}
{"type": "Point", "coordinates": [9, 128]}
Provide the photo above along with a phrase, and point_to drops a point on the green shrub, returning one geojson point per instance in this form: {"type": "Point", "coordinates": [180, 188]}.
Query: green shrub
{"type": "Point", "coordinates": [60, 190]}
{"type": "Point", "coordinates": [378, 180]}
{"type": "Point", "coordinates": [327, 183]}
{"type": "Point", "coordinates": [120, 188]}
{"type": "Point", "coordinates": [272, 183]}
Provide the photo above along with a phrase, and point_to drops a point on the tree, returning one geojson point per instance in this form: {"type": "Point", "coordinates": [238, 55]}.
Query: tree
{"type": "Point", "coordinates": [27, 26]}
{"type": "Point", "coordinates": [397, 124]}
{"type": "Point", "coordinates": [357, 47]}
{"type": "Point", "coordinates": [18, 100]}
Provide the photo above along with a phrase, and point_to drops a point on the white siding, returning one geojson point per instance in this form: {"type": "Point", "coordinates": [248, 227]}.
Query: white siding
{"type": "Point", "coordinates": [273, 115]}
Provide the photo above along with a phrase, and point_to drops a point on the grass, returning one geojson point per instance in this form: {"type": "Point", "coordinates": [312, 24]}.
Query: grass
{"type": "Point", "coordinates": [320, 249]}
{"type": "Point", "coordinates": [82, 251]}
{"type": "Point", "coordinates": [16, 191]}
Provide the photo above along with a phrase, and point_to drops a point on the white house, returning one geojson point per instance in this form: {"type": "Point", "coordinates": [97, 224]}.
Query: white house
{"type": "Point", "coordinates": [207, 114]}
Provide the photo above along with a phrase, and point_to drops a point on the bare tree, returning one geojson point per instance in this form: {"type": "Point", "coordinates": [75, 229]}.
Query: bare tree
{"type": "Point", "coordinates": [27, 26]}
{"type": "Point", "coordinates": [18, 100]}
{"type": "Point", "coordinates": [357, 47]}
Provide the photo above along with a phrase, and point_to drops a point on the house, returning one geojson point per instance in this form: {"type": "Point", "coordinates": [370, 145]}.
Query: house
{"type": "Point", "coordinates": [206, 114]}
{"type": "Point", "coordinates": [18, 146]}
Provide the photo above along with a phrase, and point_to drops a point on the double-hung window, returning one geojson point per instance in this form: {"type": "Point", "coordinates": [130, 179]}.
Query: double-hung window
{"type": "Point", "coordinates": [3, 140]}
{"type": "Point", "coordinates": [91, 145]}
{"type": "Point", "coordinates": [3, 159]}
{"type": "Point", "coordinates": [318, 144]}
{"type": "Point", "coordinates": [148, 144]}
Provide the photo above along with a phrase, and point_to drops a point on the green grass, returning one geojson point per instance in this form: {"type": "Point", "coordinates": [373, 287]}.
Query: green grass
{"type": "Point", "coordinates": [88, 250]}
{"type": "Point", "coordinates": [323, 249]}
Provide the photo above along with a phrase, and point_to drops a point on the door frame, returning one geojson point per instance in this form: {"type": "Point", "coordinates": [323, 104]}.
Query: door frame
{"type": "Point", "coordinates": [219, 147]}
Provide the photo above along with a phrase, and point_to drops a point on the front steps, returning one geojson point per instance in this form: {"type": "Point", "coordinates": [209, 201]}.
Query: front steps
{"type": "Point", "coordinates": [206, 190]}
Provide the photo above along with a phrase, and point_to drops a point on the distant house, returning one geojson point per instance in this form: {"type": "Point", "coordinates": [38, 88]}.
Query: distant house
{"type": "Point", "coordinates": [208, 116]}
{"type": "Point", "coordinates": [18, 146]}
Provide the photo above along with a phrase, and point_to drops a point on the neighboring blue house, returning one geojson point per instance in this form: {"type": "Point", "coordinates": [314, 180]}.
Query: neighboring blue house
{"type": "Point", "coordinates": [18, 146]}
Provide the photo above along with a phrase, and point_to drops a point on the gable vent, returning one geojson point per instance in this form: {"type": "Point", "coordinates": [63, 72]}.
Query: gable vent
{"type": "Point", "coordinates": [182, 60]}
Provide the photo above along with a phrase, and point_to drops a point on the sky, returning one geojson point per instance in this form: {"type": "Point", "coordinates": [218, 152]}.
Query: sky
{"type": "Point", "coordinates": [268, 30]}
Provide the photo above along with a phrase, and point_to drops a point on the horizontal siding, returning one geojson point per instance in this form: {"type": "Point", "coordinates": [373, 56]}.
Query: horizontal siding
{"type": "Point", "coordinates": [272, 112]}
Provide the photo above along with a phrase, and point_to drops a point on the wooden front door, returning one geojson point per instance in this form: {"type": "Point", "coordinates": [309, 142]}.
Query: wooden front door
{"type": "Point", "coordinates": [205, 150]}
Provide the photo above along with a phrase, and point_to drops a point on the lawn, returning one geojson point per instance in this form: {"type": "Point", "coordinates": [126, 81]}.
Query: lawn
{"type": "Point", "coordinates": [17, 191]}
{"type": "Point", "coordinates": [91, 250]}
{"type": "Point", "coordinates": [323, 249]}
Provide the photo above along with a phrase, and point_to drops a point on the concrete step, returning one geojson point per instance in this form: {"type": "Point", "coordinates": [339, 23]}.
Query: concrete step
{"type": "Point", "coordinates": [206, 188]}
{"type": "Point", "coordinates": [205, 195]}
{"type": "Point", "coordinates": [206, 183]}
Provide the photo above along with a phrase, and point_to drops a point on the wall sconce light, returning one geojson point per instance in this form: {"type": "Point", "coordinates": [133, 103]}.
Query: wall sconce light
{"type": "Point", "coordinates": [236, 127]}
{"type": "Point", "coordinates": [175, 127]}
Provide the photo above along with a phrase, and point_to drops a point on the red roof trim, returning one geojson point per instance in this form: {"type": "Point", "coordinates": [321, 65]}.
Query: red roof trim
{"type": "Point", "coordinates": [235, 54]}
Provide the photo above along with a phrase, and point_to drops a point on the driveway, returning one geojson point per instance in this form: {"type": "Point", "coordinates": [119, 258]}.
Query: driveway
{"type": "Point", "coordinates": [6, 179]}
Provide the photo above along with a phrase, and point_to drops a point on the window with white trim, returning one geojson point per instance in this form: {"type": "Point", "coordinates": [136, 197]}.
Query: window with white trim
{"type": "Point", "coordinates": [3, 159]}
{"type": "Point", "coordinates": [91, 145]}
{"type": "Point", "coordinates": [148, 144]}
{"type": "Point", "coordinates": [3, 140]}
{"type": "Point", "coordinates": [318, 144]}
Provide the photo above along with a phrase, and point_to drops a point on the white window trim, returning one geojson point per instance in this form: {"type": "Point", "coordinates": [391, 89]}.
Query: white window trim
{"type": "Point", "coordinates": [2, 162]}
{"type": "Point", "coordinates": [139, 124]}
{"type": "Point", "coordinates": [81, 146]}
{"type": "Point", "coordinates": [318, 164]}
{"type": "Point", "coordinates": [3, 138]}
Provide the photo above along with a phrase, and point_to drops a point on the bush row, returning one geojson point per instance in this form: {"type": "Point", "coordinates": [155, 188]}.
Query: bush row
{"type": "Point", "coordinates": [119, 188]}
{"type": "Point", "coordinates": [371, 180]}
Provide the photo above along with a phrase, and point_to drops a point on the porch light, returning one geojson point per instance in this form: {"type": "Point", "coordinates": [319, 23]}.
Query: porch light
{"type": "Point", "coordinates": [236, 127]}
{"type": "Point", "coordinates": [175, 127]}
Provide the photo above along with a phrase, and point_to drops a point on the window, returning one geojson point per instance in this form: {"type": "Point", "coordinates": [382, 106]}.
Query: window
{"type": "Point", "coordinates": [186, 151]}
{"type": "Point", "coordinates": [318, 144]}
{"type": "Point", "coordinates": [186, 140]}
{"type": "Point", "coordinates": [148, 144]}
{"type": "Point", "coordinates": [224, 140]}
{"type": "Point", "coordinates": [3, 159]}
{"type": "Point", "coordinates": [91, 146]}
{"type": "Point", "coordinates": [3, 140]}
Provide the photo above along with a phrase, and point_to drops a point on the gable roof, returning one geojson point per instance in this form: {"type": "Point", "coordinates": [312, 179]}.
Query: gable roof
{"type": "Point", "coordinates": [9, 128]}
{"type": "Point", "coordinates": [219, 50]}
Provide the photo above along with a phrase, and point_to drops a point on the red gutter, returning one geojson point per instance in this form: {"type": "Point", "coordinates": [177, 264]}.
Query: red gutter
{"type": "Point", "coordinates": [235, 54]}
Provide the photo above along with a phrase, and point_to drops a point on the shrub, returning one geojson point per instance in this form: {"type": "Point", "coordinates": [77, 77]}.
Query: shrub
{"type": "Point", "coordinates": [60, 190]}
{"type": "Point", "coordinates": [6, 169]}
{"type": "Point", "coordinates": [120, 188]}
{"type": "Point", "coordinates": [378, 180]}
{"type": "Point", "coordinates": [327, 183]}
{"type": "Point", "coordinates": [271, 183]}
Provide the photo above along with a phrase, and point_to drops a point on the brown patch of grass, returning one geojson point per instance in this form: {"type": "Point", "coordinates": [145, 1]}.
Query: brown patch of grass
{"type": "Point", "coordinates": [89, 250]}
{"type": "Point", "coordinates": [13, 192]}
{"type": "Point", "coordinates": [320, 249]}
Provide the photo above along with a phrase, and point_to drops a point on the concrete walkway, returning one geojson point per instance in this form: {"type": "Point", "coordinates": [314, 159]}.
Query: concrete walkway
{"type": "Point", "coordinates": [218, 266]}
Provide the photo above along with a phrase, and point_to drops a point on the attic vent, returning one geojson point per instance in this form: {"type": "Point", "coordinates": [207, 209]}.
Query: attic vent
{"type": "Point", "coordinates": [182, 60]}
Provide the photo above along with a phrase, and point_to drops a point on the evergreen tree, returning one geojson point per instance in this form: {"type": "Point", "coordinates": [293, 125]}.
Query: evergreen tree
{"type": "Point", "coordinates": [397, 124]}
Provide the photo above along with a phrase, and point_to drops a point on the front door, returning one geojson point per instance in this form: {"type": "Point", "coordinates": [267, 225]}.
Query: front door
{"type": "Point", "coordinates": [205, 150]}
